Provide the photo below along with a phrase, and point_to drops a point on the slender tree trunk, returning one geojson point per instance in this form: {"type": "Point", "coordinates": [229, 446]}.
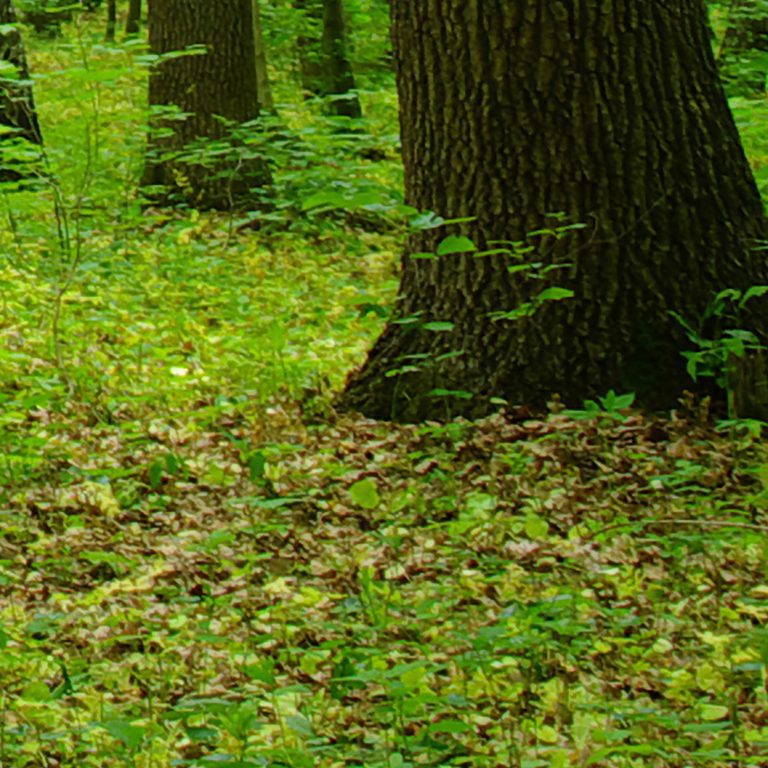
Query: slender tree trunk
{"type": "Point", "coordinates": [44, 18]}
{"type": "Point", "coordinates": [512, 110]}
{"type": "Point", "coordinates": [199, 155]}
{"type": "Point", "coordinates": [325, 68]}
{"type": "Point", "coordinates": [262, 72]}
{"type": "Point", "coordinates": [133, 20]}
{"type": "Point", "coordinates": [311, 68]}
{"type": "Point", "coordinates": [340, 79]}
{"type": "Point", "coordinates": [17, 105]}
{"type": "Point", "coordinates": [111, 20]}
{"type": "Point", "coordinates": [744, 47]}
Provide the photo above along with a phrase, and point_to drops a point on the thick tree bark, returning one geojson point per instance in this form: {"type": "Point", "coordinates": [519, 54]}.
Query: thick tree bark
{"type": "Point", "coordinates": [744, 47]}
{"type": "Point", "coordinates": [198, 155]}
{"type": "Point", "coordinates": [18, 115]}
{"type": "Point", "coordinates": [512, 110]}
{"type": "Point", "coordinates": [133, 20]}
{"type": "Point", "coordinates": [325, 67]}
{"type": "Point", "coordinates": [266, 102]}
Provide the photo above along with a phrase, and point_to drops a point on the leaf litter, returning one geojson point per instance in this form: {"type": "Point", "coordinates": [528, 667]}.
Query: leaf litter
{"type": "Point", "coordinates": [553, 592]}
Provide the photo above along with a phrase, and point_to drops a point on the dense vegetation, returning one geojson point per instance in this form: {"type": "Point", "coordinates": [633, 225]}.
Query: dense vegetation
{"type": "Point", "coordinates": [202, 563]}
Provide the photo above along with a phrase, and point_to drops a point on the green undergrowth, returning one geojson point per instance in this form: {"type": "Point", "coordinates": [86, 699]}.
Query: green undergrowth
{"type": "Point", "coordinates": [178, 326]}
{"type": "Point", "coordinates": [751, 116]}
{"type": "Point", "coordinates": [202, 565]}
{"type": "Point", "coordinates": [547, 593]}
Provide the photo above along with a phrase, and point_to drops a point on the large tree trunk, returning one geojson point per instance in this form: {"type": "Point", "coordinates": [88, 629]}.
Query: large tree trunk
{"type": "Point", "coordinates": [744, 47]}
{"type": "Point", "coordinates": [512, 110]}
{"type": "Point", "coordinates": [18, 115]}
{"type": "Point", "coordinates": [325, 67]}
{"type": "Point", "coordinates": [133, 20]}
{"type": "Point", "coordinates": [199, 156]}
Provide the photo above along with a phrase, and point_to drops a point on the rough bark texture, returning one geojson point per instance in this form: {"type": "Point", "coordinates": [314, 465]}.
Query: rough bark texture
{"type": "Point", "coordinates": [609, 112]}
{"type": "Point", "coordinates": [17, 104]}
{"type": "Point", "coordinates": [133, 20]}
{"type": "Point", "coordinates": [215, 91]}
{"type": "Point", "coordinates": [266, 102]}
{"type": "Point", "coordinates": [744, 47]}
{"type": "Point", "coordinates": [325, 67]}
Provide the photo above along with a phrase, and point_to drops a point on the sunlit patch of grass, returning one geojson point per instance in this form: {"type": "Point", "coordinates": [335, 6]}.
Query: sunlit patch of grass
{"type": "Point", "coordinates": [114, 314]}
{"type": "Point", "coordinates": [751, 116]}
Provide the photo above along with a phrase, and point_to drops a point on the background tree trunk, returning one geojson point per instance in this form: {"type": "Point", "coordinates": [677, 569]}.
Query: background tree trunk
{"type": "Point", "coordinates": [340, 79]}
{"type": "Point", "coordinates": [308, 46]}
{"type": "Point", "coordinates": [216, 92]}
{"type": "Point", "coordinates": [744, 49]}
{"type": "Point", "coordinates": [133, 20]}
{"type": "Point", "coordinates": [17, 104]}
{"type": "Point", "coordinates": [111, 20]}
{"type": "Point", "coordinates": [46, 17]}
{"type": "Point", "coordinates": [511, 110]}
{"type": "Point", "coordinates": [325, 68]}
{"type": "Point", "coordinates": [263, 86]}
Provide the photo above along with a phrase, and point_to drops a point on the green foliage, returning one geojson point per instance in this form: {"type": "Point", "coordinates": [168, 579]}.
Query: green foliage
{"type": "Point", "coordinates": [742, 45]}
{"type": "Point", "coordinates": [530, 274]}
{"type": "Point", "coordinates": [718, 357]}
{"type": "Point", "coordinates": [46, 16]}
{"type": "Point", "coordinates": [610, 406]}
{"type": "Point", "coordinates": [451, 622]}
{"type": "Point", "coordinates": [365, 494]}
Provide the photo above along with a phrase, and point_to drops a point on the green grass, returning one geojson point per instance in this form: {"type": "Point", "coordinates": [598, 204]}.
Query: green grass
{"type": "Point", "coordinates": [201, 565]}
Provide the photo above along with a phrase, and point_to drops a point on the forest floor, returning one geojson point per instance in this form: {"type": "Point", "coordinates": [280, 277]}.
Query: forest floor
{"type": "Point", "coordinates": [202, 564]}
{"type": "Point", "coordinates": [265, 591]}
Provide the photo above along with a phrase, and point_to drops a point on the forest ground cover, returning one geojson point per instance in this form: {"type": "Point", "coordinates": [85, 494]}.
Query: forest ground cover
{"type": "Point", "coordinates": [201, 564]}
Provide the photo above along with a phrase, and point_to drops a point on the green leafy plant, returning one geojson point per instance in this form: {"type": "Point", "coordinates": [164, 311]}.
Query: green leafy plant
{"type": "Point", "coordinates": [46, 16]}
{"type": "Point", "coordinates": [610, 406]}
{"type": "Point", "coordinates": [718, 357]}
{"type": "Point", "coordinates": [517, 252]}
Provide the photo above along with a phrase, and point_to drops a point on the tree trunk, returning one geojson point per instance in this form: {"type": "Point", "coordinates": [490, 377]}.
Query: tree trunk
{"type": "Point", "coordinates": [266, 102]}
{"type": "Point", "coordinates": [111, 20]}
{"type": "Point", "coordinates": [45, 18]}
{"type": "Point", "coordinates": [18, 115]}
{"type": "Point", "coordinates": [133, 20]}
{"type": "Point", "coordinates": [340, 79]}
{"type": "Point", "coordinates": [326, 71]}
{"type": "Point", "coordinates": [512, 110]}
{"type": "Point", "coordinates": [744, 48]}
{"type": "Point", "coordinates": [199, 154]}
